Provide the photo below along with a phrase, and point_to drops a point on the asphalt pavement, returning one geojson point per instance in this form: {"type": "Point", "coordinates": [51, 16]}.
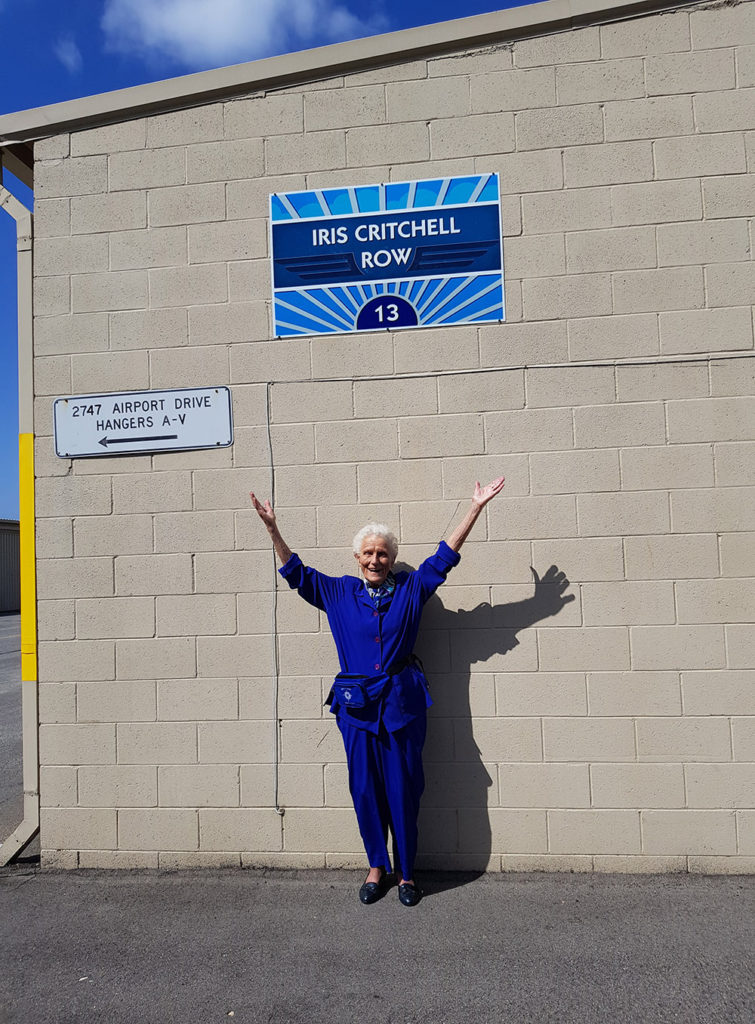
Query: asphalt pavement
{"type": "Point", "coordinates": [245, 946]}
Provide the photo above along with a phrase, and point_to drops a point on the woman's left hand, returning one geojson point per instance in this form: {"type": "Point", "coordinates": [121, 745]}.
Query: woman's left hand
{"type": "Point", "coordinates": [482, 495]}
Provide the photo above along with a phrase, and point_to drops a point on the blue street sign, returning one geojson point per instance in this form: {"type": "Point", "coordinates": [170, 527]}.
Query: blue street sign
{"type": "Point", "coordinates": [385, 257]}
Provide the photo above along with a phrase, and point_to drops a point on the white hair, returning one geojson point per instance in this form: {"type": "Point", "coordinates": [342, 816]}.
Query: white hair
{"type": "Point", "coordinates": [376, 530]}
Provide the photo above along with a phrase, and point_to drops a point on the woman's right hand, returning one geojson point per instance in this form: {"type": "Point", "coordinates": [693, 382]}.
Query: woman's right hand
{"type": "Point", "coordinates": [265, 512]}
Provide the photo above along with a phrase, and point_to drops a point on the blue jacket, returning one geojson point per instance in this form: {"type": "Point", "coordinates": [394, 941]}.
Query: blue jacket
{"type": "Point", "coordinates": [369, 640]}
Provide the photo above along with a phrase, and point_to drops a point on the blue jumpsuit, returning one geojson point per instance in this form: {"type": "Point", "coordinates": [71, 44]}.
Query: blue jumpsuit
{"type": "Point", "coordinates": [383, 741]}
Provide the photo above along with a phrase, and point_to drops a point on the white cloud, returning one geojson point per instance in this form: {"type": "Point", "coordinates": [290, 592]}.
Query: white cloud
{"type": "Point", "coordinates": [68, 53]}
{"type": "Point", "coordinates": [208, 33]}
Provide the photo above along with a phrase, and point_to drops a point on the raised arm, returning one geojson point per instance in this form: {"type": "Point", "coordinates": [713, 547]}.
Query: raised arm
{"type": "Point", "coordinates": [266, 514]}
{"type": "Point", "coordinates": [482, 495]}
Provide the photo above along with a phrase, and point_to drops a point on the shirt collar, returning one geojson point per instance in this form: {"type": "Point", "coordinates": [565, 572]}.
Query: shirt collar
{"type": "Point", "coordinates": [384, 590]}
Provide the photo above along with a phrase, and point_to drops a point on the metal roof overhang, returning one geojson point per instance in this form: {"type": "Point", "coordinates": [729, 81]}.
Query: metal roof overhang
{"type": "Point", "coordinates": [19, 129]}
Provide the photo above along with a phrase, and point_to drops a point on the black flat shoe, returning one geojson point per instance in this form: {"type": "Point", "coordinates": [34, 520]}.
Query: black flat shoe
{"type": "Point", "coordinates": [409, 894]}
{"type": "Point", "coordinates": [371, 892]}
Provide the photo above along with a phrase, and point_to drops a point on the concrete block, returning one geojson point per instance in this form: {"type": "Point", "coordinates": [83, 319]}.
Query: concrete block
{"type": "Point", "coordinates": [677, 647]}
{"type": "Point", "coordinates": [548, 693]}
{"type": "Point", "coordinates": [582, 560]}
{"type": "Point", "coordinates": [77, 254]}
{"type": "Point", "coordinates": [56, 147]}
{"type": "Point", "coordinates": [110, 138]}
{"type": "Point", "coordinates": [82, 659]}
{"type": "Point", "coordinates": [733, 25]}
{"type": "Point", "coordinates": [337, 524]}
{"type": "Point", "coordinates": [728, 195]}
{"type": "Point", "coordinates": [172, 658]}
{"type": "Point", "coordinates": [320, 829]}
{"type": "Point", "coordinates": [82, 332]}
{"type": "Point", "coordinates": [474, 134]}
{"type": "Point", "coordinates": [579, 385]}
{"type": "Point", "coordinates": [535, 256]}
{"type": "Point", "coordinates": [292, 444]}
{"type": "Point", "coordinates": [712, 419]}
{"type": "Point", "coordinates": [504, 739]}
{"type": "Point", "coordinates": [600, 81]}
{"type": "Point", "coordinates": [77, 176]}
{"type": "Point", "coordinates": [715, 600]}
{"type": "Point", "coordinates": [732, 377]}
{"type": "Point", "coordinates": [318, 151]}
{"type": "Point", "coordinates": [76, 744]}
{"type": "Point", "coordinates": [124, 289]}
{"type": "Point", "coordinates": [480, 392]}
{"type": "Point", "coordinates": [316, 484]}
{"type": "Point", "coordinates": [157, 743]}
{"type": "Point", "coordinates": [422, 437]}
{"type": "Point", "coordinates": [634, 693]}
{"type": "Point", "coordinates": [428, 99]}
{"type": "Point", "coordinates": [314, 402]}
{"type": "Point", "coordinates": [612, 249]}
{"type": "Point", "coordinates": [52, 218]}
{"type": "Point", "coordinates": [455, 348]}
{"type": "Point", "coordinates": [227, 240]}
{"type": "Point", "coordinates": [640, 865]}
{"type": "Point", "coordinates": [689, 832]}
{"type": "Point", "coordinates": [518, 830]}
{"type": "Point", "coordinates": [588, 739]}
{"type": "Point", "coordinates": [117, 211]}
{"type": "Point", "coordinates": [404, 481]}
{"type": "Point", "coordinates": [186, 286]}
{"type": "Point", "coordinates": [148, 329]}
{"type": "Point", "coordinates": [694, 72]}
{"type": "Point", "coordinates": [158, 829]}
{"type": "Point", "coordinates": [234, 324]}
{"type": "Point", "coordinates": [628, 603]}
{"type": "Point", "coordinates": [730, 284]}
{"type": "Point", "coordinates": [115, 617]}
{"type": "Point", "coordinates": [152, 492]}
{"type": "Point", "coordinates": [567, 47]}
{"type": "Point", "coordinates": [599, 648]}
{"type": "Point", "coordinates": [611, 515]}
{"type": "Point", "coordinates": [608, 164]}
{"type": "Point", "coordinates": [78, 828]}
{"type": "Point", "coordinates": [110, 701]}
{"type": "Point", "coordinates": [460, 474]}
{"type": "Point", "coordinates": [706, 330]}
{"type": "Point", "coordinates": [183, 127]}
{"type": "Point", "coordinates": [711, 510]}
{"type": "Point", "coordinates": [544, 785]}
{"type": "Point", "coordinates": [311, 742]}
{"type": "Point", "coordinates": [122, 859]}
{"type": "Point", "coordinates": [577, 125]}
{"type": "Point", "coordinates": [96, 372]}
{"type": "Point", "coordinates": [58, 786]}
{"type": "Point", "coordinates": [527, 430]}
{"type": "Point", "coordinates": [80, 577]}
{"type": "Point", "coordinates": [695, 155]}
{"type": "Point", "coordinates": [199, 786]}
{"type": "Point", "coordinates": [193, 367]}
{"type": "Point", "coordinates": [528, 171]}
{"type": "Point", "coordinates": [639, 291]}
{"type": "Point", "coordinates": [347, 441]}
{"type": "Point", "coordinates": [194, 531]}
{"type": "Point", "coordinates": [225, 161]}
{"type": "Point", "coordinates": [718, 241]}
{"type": "Point", "coordinates": [235, 742]}
{"type": "Point", "coordinates": [738, 554]}
{"type": "Point", "coordinates": [195, 614]}
{"type": "Point", "coordinates": [152, 247]}
{"type": "Point", "coordinates": [406, 70]}
{"type": "Point", "coordinates": [197, 700]}
{"type": "Point", "coordinates": [515, 344]}
{"type": "Point", "coordinates": [411, 140]}
{"type": "Point", "coordinates": [344, 108]}
{"type": "Point", "coordinates": [727, 111]}
{"type": "Point", "coordinates": [188, 204]}
{"type": "Point", "coordinates": [54, 538]}
{"type": "Point", "coordinates": [637, 785]}
{"type": "Point", "coordinates": [676, 557]}
{"type": "Point", "coordinates": [718, 693]}
{"type": "Point", "coordinates": [248, 279]}
{"type": "Point", "coordinates": [263, 116]}
{"type": "Point", "coordinates": [658, 33]}
{"type": "Point", "coordinates": [651, 118]}
{"type": "Point", "coordinates": [55, 620]}
{"type": "Point", "coordinates": [575, 295]}
{"type": "Point", "coordinates": [146, 168]}
{"type": "Point", "coordinates": [112, 535]}
{"type": "Point", "coordinates": [625, 336]}
{"type": "Point", "coordinates": [664, 468]}
{"type": "Point", "coordinates": [573, 472]}
{"type": "Point", "coordinates": [57, 703]}
{"type": "Point", "coordinates": [52, 375]}
{"type": "Point", "coordinates": [363, 356]}
{"type": "Point", "coordinates": [241, 829]}
{"type": "Point", "coordinates": [512, 90]}
{"type": "Point", "coordinates": [52, 296]}
{"type": "Point", "coordinates": [232, 572]}
{"type": "Point", "coordinates": [232, 656]}
{"type": "Point", "coordinates": [303, 653]}
{"type": "Point", "coordinates": [118, 786]}
{"type": "Point", "coordinates": [251, 197]}
{"type": "Point", "coordinates": [256, 699]}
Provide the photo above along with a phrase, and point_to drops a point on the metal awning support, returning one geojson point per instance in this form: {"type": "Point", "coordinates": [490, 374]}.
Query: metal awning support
{"type": "Point", "coordinates": [29, 827]}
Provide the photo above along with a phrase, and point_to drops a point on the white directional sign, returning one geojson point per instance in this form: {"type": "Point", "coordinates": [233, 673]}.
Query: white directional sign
{"type": "Point", "coordinates": [134, 422]}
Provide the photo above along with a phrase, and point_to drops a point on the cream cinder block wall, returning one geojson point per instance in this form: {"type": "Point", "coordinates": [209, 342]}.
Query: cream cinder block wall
{"type": "Point", "coordinates": [615, 731]}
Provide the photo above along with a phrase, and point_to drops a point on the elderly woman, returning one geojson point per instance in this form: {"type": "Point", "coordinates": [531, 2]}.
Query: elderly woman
{"type": "Point", "coordinates": [380, 697]}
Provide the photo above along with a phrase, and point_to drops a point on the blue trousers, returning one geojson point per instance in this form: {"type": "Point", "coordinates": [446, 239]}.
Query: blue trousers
{"type": "Point", "coordinates": [386, 780]}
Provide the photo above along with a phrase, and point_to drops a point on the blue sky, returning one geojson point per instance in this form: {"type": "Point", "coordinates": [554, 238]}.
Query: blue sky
{"type": "Point", "coordinates": [52, 51]}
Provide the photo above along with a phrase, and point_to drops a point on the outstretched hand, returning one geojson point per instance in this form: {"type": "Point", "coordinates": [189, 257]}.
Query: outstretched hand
{"type": "Point", "coordinates": [482, 495]}
{"type": "Point", "coordinates": [265, 512]}
{"type": "Point", "coordinates": [549, 591]}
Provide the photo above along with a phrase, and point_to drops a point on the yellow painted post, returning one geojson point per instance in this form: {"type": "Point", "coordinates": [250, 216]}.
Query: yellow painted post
{"type": "Point", "coordinates": [28, 561]}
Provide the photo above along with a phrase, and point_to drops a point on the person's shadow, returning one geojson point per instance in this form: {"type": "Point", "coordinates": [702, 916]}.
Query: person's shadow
{"type": "Point", "coordinates": [455, 829]}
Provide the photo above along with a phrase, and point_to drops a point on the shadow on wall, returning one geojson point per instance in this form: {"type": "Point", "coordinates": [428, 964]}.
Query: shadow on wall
{"type": "Point", "coordinates": [455, 803]}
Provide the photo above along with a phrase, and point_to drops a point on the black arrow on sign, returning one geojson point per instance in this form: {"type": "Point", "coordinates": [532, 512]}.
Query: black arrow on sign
{"type": "Point", "coordinates": [105, 441]}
